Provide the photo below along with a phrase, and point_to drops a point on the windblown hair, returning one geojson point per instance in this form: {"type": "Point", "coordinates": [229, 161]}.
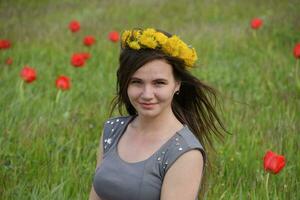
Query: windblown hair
{"type": "Point", "coordinates": [195, 105]}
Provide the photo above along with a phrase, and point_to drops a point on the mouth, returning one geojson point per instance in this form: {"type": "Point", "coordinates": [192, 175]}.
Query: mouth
{"type": "Point", "coordinates": [147, 105]}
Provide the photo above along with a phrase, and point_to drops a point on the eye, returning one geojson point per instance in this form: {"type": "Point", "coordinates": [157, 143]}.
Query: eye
{"type": "Point", "coordinates": [160, 83]}
{"type": "Point", "coordinates": [135, 81]}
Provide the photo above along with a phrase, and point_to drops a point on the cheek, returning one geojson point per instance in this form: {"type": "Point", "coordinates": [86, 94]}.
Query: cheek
{"type": "Point", "coordinates": [165, 95]}
{"type": "Point", "coordinates": [132, 93]}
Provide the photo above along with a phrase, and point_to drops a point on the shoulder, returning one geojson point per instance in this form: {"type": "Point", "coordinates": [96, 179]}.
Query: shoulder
{"type": "Point", "coordinates": [189, 138]}
{"type": "Point", "coordinates": [182, 176]}
{"type": "Point", "coordinates": [111, 129]}
{"type": "Point", "coordinates": [189, 163]}
{"type": "Point", "coordinates": [115, 122]}
{"type": "Point", "coordinates": [183, 180]}
{"type": "Point", "coordinates": [185, 143]}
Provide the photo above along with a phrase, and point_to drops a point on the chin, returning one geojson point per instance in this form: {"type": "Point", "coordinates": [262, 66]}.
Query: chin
{"type": "Point", "coordinates": [148, 113]}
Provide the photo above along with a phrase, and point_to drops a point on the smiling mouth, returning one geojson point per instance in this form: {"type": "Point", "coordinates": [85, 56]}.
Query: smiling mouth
{"type": "Point", "coordinates": [147, 105]}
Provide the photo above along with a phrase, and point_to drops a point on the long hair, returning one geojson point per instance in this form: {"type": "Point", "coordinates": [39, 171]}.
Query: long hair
{"type": "Point", "coordinates": [195, 105]}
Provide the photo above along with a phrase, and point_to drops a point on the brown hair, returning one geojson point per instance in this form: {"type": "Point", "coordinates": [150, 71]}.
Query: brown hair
{"type": "Point", "coordinates": [194, 105]}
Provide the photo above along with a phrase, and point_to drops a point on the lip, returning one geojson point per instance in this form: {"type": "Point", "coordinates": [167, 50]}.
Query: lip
{"type": "Point", "coordinates": [147, 105]}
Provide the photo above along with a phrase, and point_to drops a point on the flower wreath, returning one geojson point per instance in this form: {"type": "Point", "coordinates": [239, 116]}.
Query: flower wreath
{"type": "Point", "coordinates": [150, 38]}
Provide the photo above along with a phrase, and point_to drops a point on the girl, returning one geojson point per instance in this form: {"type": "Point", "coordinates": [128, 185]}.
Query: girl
{"type": "Point", "coordinates": [156, 151]}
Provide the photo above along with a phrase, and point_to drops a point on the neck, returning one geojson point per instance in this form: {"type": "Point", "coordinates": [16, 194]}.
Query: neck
{"type": "Point", "coordinates": [152, 125]}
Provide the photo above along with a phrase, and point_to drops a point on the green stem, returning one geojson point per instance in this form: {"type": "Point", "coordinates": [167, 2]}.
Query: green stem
{"type": "Point", "coordinates": [57, 96]}
{"type": "Point", "coordinates": [296, 73]}
{"type": "Point", "coordinates": [254, 34]}
{"type": "Point", "coordinates": [21, 89]}
{"type": "Point", "coordinates": [267, 189]}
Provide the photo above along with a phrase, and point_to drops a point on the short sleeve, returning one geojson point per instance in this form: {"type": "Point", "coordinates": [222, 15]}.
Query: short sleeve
{"type": "Point", "coordinates": [182, 143]}
{"type": "Point", "coordinates": [111, 130]}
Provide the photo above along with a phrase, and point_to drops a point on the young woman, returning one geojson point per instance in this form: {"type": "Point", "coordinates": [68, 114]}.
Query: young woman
{"type": "Point", "coordinates": [156, 151]}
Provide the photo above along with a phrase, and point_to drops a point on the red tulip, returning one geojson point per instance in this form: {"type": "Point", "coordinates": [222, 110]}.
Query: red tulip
{"type": "Point", "coordinates": [63, 82]}
{"type": "Point", "coordinates": [273, 163]}
{"type": "Point", "coordinates": [9, 61]}
{"type": "Point", "coordinates": [86, 56]}
{"type": "Point", "coordinates": [5, 44]}
{"type": "Point", "coordinates": [74, 26]}
{"type": "Point", "coordinates": [256, 23]}
{"type": "Point", "coordinates": [28, 74]}
{"type": "Point", "coordinates": [297, 51]}
{"type": "Point", "coordinates": [113, 36]}
{"type": "Point", "coordinates": [89, 40]}
{"type": "Point", "coordinates": [78, 60]}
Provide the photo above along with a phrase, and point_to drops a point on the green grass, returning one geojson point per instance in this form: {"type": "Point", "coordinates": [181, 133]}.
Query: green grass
{"type": "Point", "coordinates": [48, 150]}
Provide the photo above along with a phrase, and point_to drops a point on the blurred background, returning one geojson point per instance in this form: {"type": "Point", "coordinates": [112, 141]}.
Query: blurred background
{"type": "Point", "coordinates": [49, 137]}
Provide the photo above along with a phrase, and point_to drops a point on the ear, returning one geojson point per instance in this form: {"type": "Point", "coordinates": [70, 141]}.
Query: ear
{"type": "Point", "coordinates": [177, 85]}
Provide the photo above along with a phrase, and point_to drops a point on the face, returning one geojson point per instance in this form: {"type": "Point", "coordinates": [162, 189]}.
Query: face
{"type": "Point", "coordinates": [151, 89]}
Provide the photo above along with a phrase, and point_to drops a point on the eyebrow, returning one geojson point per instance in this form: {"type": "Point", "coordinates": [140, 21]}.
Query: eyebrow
{"type": "Point", "coordinates": [161, 79]}
{"type": "Point", "coordinates": [135, 78]}
{"type": "Point", "coordinates": [158, 79]}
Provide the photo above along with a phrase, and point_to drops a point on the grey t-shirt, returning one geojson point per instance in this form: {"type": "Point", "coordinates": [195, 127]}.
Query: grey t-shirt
{"type": "Point", "coordinates": [116, 179]}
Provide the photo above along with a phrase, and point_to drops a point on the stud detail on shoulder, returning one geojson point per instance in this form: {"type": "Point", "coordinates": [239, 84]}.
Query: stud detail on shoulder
{"type": "Point", "coordinates": [109, 140]}
{"type": "Point", "coordinates": [165, 164]}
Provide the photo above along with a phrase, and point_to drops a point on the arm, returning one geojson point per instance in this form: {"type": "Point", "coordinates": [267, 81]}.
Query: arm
{"type": "Point", "coordinates": [93, 195]}
{"type": "Point", "coordinates": [182, 180]}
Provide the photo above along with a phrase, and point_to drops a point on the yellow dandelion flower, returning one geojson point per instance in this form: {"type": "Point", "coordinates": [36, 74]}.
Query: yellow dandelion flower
{"type": "Point", "coordinates": [189, 56]}
{"type": "Point", "coordinates": [173, 46]}
{"type": "Point", "coordinates": [136, 34]}
{"type": "Point", "coordinates": [185, 52]}
{"type": "Point", "coordinates": [147, 41]}
{"type": "Point", "coordinates": [134, 45]}
{"type": "Point", "coordinates": [161, 38]}
{"type": "Point", "coordinates": [167, 47]}
{"type": "Point", "coordinates": [150, 38]}
{"type": "Point", "coordinates": [125, 36]}
{"type": "Point", "coordinates": [149, 32]}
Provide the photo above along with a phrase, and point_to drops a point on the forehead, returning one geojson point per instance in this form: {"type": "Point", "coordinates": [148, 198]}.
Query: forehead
{"type": "Point", "coordinates": [154, 69]}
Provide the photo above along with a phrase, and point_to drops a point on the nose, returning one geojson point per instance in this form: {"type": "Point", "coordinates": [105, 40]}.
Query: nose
{"type": "Point", "coordinates": [147, 93]}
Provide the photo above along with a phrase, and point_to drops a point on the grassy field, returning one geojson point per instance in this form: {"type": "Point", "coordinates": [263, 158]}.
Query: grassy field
{"type": "Point", "coordinates": [48, 149]}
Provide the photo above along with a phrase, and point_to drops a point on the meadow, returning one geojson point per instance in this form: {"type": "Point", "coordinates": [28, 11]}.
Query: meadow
{"type": "Point", "coordinates": [49, 146]}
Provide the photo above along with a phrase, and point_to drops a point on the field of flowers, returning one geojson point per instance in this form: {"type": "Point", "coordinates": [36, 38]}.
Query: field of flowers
{"type": "Point", "coordinates": [58, 62]}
